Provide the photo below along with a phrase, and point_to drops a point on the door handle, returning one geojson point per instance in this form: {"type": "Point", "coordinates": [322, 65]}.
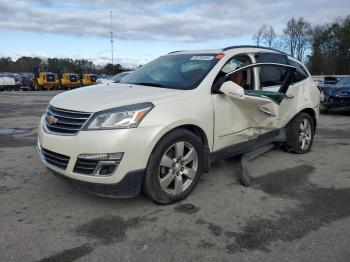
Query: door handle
{"type": "Point", "coordinates": [288, 96]}
{"type": "Point", "coordinates": [266, 111]}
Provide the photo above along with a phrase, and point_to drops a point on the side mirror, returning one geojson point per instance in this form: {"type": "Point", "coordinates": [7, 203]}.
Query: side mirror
{"type": "Point", "coordinates": [233, 90]}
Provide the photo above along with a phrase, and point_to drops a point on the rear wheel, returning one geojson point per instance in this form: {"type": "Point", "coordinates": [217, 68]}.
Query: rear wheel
{"type": "Point", "coordinates": [300, 134]}
{"type": "Point", "coordinates": [174, 167]}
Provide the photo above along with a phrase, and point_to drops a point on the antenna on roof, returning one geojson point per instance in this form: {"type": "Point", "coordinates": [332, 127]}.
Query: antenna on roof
{"type": "Point", "coordinates": [112, 47]}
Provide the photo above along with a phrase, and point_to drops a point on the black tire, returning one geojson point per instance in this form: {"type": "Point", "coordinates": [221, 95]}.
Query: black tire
{"type": "Point", "coordinates": [151, 184]}
{"type": "Point", "coordinates": [293, 132]}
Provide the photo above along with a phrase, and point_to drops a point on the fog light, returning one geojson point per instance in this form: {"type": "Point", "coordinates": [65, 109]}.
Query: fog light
{"type": "Point", "coordinates": [103, 156]}
{"type": "Point", "coordinates": [107, 169]}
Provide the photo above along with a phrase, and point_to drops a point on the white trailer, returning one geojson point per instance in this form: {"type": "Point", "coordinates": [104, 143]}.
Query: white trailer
{"type": "Point", "coordinates": [7, 83]}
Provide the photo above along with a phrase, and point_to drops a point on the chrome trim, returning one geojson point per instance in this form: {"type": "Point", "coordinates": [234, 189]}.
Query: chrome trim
{"type": "Point", "coordinates": [67, 120]}
{"type": "Point", "coordinates": [62, 128]}
{"type": "Point", "coordinates": [43, 159]}
{"type": "Point", "coordinates": [266, 111]}
{"type": "Point", "coordinates": [96, 167]}
{"type": "Point", "coordinates": [69, 111]}
{"type": "Point", "coordinates": [101, 163]}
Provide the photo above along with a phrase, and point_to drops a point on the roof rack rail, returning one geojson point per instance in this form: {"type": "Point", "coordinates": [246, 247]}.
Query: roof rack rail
{"type": "Point", "coordinates": [252, 46]}
{"type": "Point", "coordinates": [175, 51]}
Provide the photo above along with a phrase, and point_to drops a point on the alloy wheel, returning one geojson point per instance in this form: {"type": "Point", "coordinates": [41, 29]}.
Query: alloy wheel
{"type": "Point", "coordinates": [178, 168]}
{"type": "Point", "coordinates": [305, 134]}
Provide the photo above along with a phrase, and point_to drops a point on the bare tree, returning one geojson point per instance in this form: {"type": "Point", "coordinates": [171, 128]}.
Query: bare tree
{"type": "Point", "coordinates": [258, 37]}
{"type": "Point", "coordinates": [269, 36]}
{"type": "Point", "coordinates": [296, 37]}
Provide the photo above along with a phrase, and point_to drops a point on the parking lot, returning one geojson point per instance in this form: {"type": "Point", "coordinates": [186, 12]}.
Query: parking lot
{"type": "Point", "coordinates": [297, 208]}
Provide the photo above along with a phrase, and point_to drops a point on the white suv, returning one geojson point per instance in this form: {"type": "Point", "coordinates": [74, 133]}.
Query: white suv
{"type": "Point", "coordinates": [163, 125]}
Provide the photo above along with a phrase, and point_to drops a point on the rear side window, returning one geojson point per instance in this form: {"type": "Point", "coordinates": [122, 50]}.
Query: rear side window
{"type": "Point", "coordinates": [299, 74]}
{"type": "Point", "coordinates": [272, 76]}
{"type": "Point", "coordinates": [271, 58]}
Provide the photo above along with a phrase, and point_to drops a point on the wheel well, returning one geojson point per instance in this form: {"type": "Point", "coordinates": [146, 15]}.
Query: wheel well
{"type": "Point", "coordinates": [312, 113]}
{"type": "Point", "coordinates": [197, 131]}
{"type": "Point", "coordinates": [200, 133]}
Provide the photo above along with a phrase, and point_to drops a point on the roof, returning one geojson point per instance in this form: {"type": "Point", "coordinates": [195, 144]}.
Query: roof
{"type": "Point", "coordinates": [226, 49]}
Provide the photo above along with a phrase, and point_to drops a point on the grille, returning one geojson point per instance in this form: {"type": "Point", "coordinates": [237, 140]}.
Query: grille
{"type": "Point", "coordinates": [73, 78]}
{"type": "Point", "coordinates": [55, 159]}
{"type": "Point", "coordinates": [85, 166]}
{"type": "Point", "coordinates": [64, 121]}
{"type": "Point", "coordinates": [50, 78]}
{"type": "Point", "coordinates": [93, 78]}
{"type": "Point", "coordinates": [344, 94]}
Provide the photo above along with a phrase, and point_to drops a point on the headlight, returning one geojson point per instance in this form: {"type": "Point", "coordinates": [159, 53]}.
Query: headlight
{"type": "Point", "coordinates": [120, 117]}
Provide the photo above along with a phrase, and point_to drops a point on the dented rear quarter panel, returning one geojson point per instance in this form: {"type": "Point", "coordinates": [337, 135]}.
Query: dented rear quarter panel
{"type": "Point", "coordinates": [305, 95]}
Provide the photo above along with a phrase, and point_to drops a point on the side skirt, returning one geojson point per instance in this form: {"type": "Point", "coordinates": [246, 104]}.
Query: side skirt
{"type": "Point", "coordinates": [275, 136]}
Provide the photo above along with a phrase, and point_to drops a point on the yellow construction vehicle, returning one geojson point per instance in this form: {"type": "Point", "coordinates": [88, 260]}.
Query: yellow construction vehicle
{"type": "Point", "coordinates": [87, 78]}
{"type": "Point", "coordinates": [69, 81]}
{"type": "Point", "coordinates": [42, 79]}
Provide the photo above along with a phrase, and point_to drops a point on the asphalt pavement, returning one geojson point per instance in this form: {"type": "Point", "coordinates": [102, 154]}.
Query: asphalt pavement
{"type": "Point", "coordinates": [297, 208]}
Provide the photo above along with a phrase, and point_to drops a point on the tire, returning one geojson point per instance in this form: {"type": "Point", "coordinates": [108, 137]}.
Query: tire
{"type": "Point", "coordinates": [299, 141]}
{"type": "Point", "coordinates": [162, 164]}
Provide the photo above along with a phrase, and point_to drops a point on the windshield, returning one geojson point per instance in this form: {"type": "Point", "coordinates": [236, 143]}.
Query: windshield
{"type": "Point", "coordinates": [345, 82]}
{"type": "Point", "coordinates": [183, 72]}
{"type": "Point", "coordinates": [119, 76]}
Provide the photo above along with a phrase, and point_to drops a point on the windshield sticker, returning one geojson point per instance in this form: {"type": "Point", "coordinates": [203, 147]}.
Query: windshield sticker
{"type": "Point", "coordinates": [202, 58]}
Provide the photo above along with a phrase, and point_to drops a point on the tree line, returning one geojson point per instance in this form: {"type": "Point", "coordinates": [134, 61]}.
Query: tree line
{"type": "Point", "coordinates": [57, 65]}
{"type": "Point", "coordinates": [325, 49]}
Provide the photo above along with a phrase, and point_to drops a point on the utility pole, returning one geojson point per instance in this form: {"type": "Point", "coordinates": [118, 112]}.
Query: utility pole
{"type": "Point", "coordinates": [112, 36]}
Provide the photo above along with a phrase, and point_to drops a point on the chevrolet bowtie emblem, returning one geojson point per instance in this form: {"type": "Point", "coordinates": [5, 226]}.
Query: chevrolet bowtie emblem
{"type": "Point", "coordinates": [51, 119]}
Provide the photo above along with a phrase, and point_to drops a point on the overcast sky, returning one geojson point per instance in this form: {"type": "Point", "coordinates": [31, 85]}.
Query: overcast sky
{"type": "Point", "coordinates": [145, 29]}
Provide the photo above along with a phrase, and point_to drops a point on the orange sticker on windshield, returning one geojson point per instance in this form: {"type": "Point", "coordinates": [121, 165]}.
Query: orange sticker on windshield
{"type": "Point", "coordinates": [219, 56]}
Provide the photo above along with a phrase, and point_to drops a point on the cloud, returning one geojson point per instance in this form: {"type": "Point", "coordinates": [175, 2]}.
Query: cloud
{"type": "Point", "coordinates": [179, 20]}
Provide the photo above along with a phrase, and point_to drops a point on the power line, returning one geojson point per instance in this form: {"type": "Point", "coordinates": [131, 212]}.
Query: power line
{"type": "Point", "coordinates": [112, 46]}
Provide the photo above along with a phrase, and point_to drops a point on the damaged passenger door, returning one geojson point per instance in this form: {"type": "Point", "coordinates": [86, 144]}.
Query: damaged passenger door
{"type": "Point", "coordinates": [249, 110]}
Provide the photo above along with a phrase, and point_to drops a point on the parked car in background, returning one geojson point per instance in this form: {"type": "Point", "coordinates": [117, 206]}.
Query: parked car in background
{"type": "Point", "coordinates": [330, 80]}
{"type": "Point", "coordinates": [113, 79]}
{"type": "Point", "coordinates": [26, 82]}
{"type": "Point", "coordinates": [162, 125]}
{"type": "Point", "coordinates": [335, 98]}
{"type": "Point", "coordinates": [7, 83]}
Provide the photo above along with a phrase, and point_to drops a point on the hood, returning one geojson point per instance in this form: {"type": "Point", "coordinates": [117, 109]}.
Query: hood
{"type": "Point", "coordinates": [341, 91]}
{"type": "Point", "coordinates": [100, 97]}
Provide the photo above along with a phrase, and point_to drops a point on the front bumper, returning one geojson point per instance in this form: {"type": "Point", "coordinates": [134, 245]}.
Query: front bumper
{"type": "Point", "coordinates": [72, 84]}
{"type": "Point", "coordinates": [136, 144]}
{"type": "Point", "coordinates": [50, 84]}
{"type": "Point", "coordinates": [129, 186]}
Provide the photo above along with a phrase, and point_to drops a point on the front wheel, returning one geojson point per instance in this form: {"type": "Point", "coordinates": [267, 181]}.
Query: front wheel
{"type": "Point", "coordinates": [300, 134]}
{"type": "Point", "coordinates": [174, 167]}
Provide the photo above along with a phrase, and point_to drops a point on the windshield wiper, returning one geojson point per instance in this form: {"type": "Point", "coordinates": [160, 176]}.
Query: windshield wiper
{"type": "Point", "coordinates": [148, 84]}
